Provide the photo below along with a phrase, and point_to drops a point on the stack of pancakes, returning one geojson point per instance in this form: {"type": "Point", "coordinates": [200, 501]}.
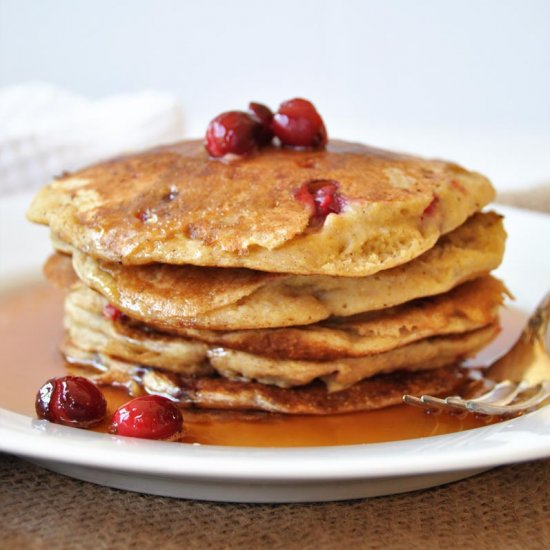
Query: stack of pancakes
{"type": "Point", "coordinates": [213, 284]}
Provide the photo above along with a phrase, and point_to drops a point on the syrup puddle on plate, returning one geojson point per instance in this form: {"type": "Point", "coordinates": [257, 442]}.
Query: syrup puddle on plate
{"type": "Point", "coordinates": [31, 329]}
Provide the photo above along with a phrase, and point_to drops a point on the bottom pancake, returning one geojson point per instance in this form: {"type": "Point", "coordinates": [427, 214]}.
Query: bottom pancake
{"type": "Point", "coordinates": [216, 392]}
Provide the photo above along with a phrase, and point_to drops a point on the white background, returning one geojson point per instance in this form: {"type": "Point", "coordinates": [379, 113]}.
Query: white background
{"type": "Point", "coordinates": [467, 80]}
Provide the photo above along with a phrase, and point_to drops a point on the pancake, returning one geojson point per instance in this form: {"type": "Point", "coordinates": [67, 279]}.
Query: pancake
{"type": "Point", "coordinates": [218, 393]}
{"type": "Point", "coordinates": [468, 307]}
{"type": "Point", "coordinates": [92, 332]}
{"type": "Point", "coordinates": [175, 205]}
{"type": "Point", "coordinates": [95, 333]}
{"type": "Point", "coordinates": [176, 298]}
{"type": "Point", "coordinates": [339, 374]}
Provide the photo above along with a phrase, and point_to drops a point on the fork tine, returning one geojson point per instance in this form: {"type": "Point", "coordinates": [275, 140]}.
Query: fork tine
{"type": "Point", "coordinates": [430, 402]}
{"type": "Point", "coordinates": [443, 404]}
{"type": "Point", "coordinates": [501, 394]}
{"type": "Point", "coordinates": [542, 394]}
{"type": "Point", "coordinates": [413, 400]}
{"type": "Point", "coordinates": [486, 404]}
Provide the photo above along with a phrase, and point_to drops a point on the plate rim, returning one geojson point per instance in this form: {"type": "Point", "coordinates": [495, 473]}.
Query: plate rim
{"type": "Point", "coordinates": [20, 434]}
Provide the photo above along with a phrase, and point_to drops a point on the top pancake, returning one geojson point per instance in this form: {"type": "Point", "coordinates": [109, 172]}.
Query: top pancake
{"type": "Point", "coordinates": [175, 205]}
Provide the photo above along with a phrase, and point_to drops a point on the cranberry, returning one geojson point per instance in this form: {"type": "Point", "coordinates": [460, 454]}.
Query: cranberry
{"type": "Point", "coordinates": [112, 313]}
{"type": "Point", "coordinates": [431, 208]}
{"type": "Point", "coordinates": [322, 197]}
{"type": "Point", "coordinates": [458, 186]}
{"type": "Point", "coordinates": [71, 401]}
{"type": "Point", "coordinates": [264, 116]}
{"type": "Point", "coordinates": [298, 124]}
{"type": "Point", "coordinates": [147, 417]}
{"type": "Point", "coordinates": [233, 132]}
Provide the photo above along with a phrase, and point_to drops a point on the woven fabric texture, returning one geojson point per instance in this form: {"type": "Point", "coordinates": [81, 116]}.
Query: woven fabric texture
{"type": "Point", "coordinates": [506, 508]}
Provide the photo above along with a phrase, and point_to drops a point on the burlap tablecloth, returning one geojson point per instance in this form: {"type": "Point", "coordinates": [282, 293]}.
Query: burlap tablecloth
{"type": "Point", "coordinates": [504, 508]}
{"type": "Point", "coordinates": [508, 507]}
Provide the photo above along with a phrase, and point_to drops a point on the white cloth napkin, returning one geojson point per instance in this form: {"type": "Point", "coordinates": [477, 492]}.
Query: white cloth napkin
{"type": "Point", "coordinates": [45, 130]}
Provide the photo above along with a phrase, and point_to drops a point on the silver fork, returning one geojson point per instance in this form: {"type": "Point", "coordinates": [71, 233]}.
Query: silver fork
{"type": "Point", "coordinates": [521, 377]}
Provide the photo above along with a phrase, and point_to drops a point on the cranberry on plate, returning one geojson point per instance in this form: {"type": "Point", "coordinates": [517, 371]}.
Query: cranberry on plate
{"type": "Point", "coordinates": [147, 417]}
{"type": "Point", "coordinates": [298, 124]}
{"type": "Point", "coordinates": [71, 401]}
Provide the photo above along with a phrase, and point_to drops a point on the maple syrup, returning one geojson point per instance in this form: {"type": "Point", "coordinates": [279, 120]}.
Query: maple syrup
{"type": "Point", "coordinates": [30, 332]}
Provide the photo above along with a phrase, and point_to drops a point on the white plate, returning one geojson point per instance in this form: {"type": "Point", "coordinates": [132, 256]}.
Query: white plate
{"type": "Point", "coordinates": [281, 475]}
